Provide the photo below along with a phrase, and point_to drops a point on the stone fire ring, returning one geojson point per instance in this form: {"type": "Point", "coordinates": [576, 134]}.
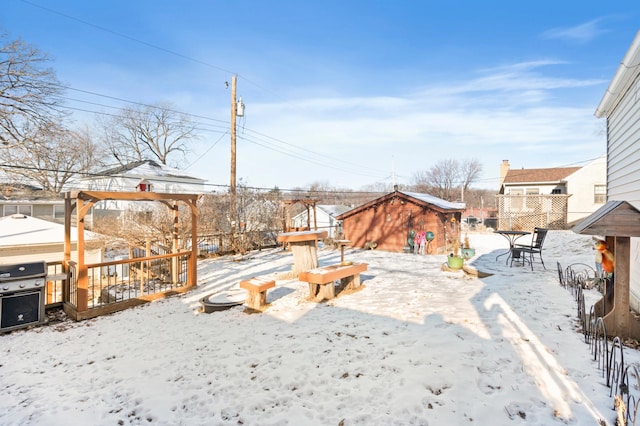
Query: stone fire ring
{"type": "Point", "coordinates": [223, 300]}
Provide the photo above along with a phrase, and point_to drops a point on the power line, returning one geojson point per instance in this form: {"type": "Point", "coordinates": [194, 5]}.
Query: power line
{"type": "Point", "coordinates": [304, 157]}
{"type": "Point", "coordinates": [125, 36]}
{"type": "Point", "coordinates": [151, 45]}
{"type": "Point", "coordinates": [96, 174]}
{"type": "Point", "coordinates": [101, 28]}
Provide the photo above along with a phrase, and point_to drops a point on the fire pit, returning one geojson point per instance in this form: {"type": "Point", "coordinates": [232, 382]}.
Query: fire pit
{"type": "Point", "coordinates": [223, 300]}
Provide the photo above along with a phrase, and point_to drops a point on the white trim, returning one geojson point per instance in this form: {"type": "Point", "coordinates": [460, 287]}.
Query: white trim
{"type": "Point", "coordinates": [621, 80]}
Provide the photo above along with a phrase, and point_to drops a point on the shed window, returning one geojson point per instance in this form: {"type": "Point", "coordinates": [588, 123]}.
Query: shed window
{"type": "Point", "coordinates": [599, 194]}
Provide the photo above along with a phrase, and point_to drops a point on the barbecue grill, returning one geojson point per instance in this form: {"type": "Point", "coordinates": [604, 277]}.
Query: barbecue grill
{"type": "Point", "coordinates": [22, 295]}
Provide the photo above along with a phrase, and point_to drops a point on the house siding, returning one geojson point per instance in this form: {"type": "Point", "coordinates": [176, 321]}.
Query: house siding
{"type": "Point", "coordinates": [623, 173]}
{"type": "Point", "coordinates": [581, 187]}
{"type": "Point", "coordinates": [623, 148]}
{"type": "Point", "coordinates": [620, 107]}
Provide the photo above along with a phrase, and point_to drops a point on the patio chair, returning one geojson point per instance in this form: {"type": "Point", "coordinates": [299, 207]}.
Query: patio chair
{"type": "Point", "coordinates": [529, 251]}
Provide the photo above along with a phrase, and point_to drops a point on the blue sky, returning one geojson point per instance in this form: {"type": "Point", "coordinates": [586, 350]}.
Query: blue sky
{"type": "Point", "coordinates": [346, 93]}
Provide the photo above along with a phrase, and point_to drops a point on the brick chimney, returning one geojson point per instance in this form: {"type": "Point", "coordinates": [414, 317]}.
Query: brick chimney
{"type": "Point", "coordinates": [504, 168]}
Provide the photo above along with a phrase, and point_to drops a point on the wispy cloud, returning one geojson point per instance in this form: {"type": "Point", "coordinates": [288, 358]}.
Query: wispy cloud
{"type": "Point", "coordinates": [512, 111]}
{"type": "Point", "coordinates": [582, 33]}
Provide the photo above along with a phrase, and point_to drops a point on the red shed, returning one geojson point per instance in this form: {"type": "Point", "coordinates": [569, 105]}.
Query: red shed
{"type": "Point", "coordinates": [389, 221]}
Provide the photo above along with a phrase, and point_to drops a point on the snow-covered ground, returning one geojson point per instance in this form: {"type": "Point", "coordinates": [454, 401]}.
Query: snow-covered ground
{"type": "Point", "coordinates": [415, 346]}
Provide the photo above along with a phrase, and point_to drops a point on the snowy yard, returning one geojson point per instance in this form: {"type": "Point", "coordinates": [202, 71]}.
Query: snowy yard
{"type": "Point", "coordinates": [414, 346]}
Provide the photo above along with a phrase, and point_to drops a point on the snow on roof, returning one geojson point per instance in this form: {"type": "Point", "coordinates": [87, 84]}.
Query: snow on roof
{"type": "Point", "coordinates": [439, 202]}
{"type": "Point", "coordinates": [147, 168]}
{"type": "Point", "coordinates": [19, 229]}
{"type": "Point", "coordinates": [333, 209]}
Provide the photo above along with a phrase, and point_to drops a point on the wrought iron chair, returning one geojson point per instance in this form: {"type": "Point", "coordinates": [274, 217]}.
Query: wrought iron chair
{"type": "Point", "coordinates": [528, 251]}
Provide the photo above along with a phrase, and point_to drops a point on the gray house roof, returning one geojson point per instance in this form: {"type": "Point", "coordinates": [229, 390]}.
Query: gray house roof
{"type": "Point", "coordinates": [146, 168]}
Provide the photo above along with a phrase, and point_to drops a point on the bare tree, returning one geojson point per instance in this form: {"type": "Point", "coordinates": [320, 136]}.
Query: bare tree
{"type": "Point", "coordinates": [28, 91]}
{"type": "Point", "coordinates": [443, 177]}
{"type": "Point", "coordinates": [447, 178]}
{"type": "Point", "coordinates": [148, 133]}
{"type": "Point", "coordinates": [51, 158]}
{"type": "Point", "coordinates": [470, 171]}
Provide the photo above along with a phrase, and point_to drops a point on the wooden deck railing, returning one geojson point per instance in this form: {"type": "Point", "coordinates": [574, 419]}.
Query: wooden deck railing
{"type": "Point", "coordinates": [116, 285]}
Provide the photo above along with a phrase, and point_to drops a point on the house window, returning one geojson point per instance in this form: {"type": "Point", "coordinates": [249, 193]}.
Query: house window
{"type": "Point", "coordinates": [516, 199]}
{"type": "Point", "coordinates": [10, 209]}
{"type": "Point", "coordinates": [556, 191]}
{"type": "Point", "coordinates": [58, 211]}
{"type": "Point", "coordinates": [599, 194]}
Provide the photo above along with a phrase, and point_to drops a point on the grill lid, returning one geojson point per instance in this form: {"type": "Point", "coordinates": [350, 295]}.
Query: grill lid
{"type": "Point", "coordinates": [22, 271]}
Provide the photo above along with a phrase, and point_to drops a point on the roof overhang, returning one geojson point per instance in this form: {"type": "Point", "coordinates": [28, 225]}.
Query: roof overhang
{"type": "Point", "coordinates": [614, 219]}
{"type": "Point", "coordinates": [621, 81]}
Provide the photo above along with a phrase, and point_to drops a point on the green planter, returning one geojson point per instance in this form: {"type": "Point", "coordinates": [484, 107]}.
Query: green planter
{"type": "Point", "coordinates": [468, 253]}
{"type": "Point", "coordinates": [454, 262]}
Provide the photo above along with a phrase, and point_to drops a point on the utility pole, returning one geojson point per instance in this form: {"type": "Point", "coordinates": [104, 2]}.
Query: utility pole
{"type": "Point", "coordinates": [232, 186]}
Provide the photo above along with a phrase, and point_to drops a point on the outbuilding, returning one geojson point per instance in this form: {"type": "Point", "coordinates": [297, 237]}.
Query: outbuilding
{"type": "Point", "coordinates": [391, 220]}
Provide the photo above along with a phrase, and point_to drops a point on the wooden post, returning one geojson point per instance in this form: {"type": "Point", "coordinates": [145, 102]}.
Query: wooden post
{"type": "Point", "coordinates": [621, 277]}
{"type": "Point", "coordinates": [174, 248]}
{"type": "Point", "coordinates": [68, 209]}
{"type": "Point", "coordinates": [83, 278]}
{"type": "Point", "coordinates": [315, 217]}
{"type": "Point", "coordinates": [232, 187]}
{"type": "Point", "coordinates": [305, 255]}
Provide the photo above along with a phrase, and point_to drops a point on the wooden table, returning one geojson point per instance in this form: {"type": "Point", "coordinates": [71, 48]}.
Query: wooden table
{"type": "Point", "coordinates": [511, 236]}
{"type": "Point", "coordinates": [304, 247]}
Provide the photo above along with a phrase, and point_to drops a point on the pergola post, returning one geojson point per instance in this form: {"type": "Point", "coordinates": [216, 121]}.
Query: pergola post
{"type": "Point", "coordinates": [84, 200]}
{"type": "Point", "coordinates": [83, 278]}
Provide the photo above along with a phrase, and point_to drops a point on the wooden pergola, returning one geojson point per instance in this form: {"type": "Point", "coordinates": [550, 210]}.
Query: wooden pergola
{"type": "Point", "coordinates": [308, 203]}
{"type": "Point", "coordinates": [617, 221]}
{"type": "Point", "coordinates": [82, 202]}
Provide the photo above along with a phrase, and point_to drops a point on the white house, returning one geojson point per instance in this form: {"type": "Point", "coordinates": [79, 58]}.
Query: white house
{"type": "Point", "coordinates": [325, 220]}
{"type": "Point", "coordinates": [143, 176]}
{"type": "Point", "coordinates": [588, 189]}
{"type": "Point", "coordinates": [557, 195]}
{"type": "Point", "coordinates": [620, 107]}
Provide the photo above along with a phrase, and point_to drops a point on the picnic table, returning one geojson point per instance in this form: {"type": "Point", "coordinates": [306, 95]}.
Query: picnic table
{"type": "Point", "coordinates": [304, 247]}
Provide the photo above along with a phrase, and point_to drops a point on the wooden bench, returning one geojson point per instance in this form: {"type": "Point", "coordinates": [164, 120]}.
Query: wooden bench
{"type": "Point", "coordinates": [257, 291]}
{"type": "Point", "coordinates": [321, 279]}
